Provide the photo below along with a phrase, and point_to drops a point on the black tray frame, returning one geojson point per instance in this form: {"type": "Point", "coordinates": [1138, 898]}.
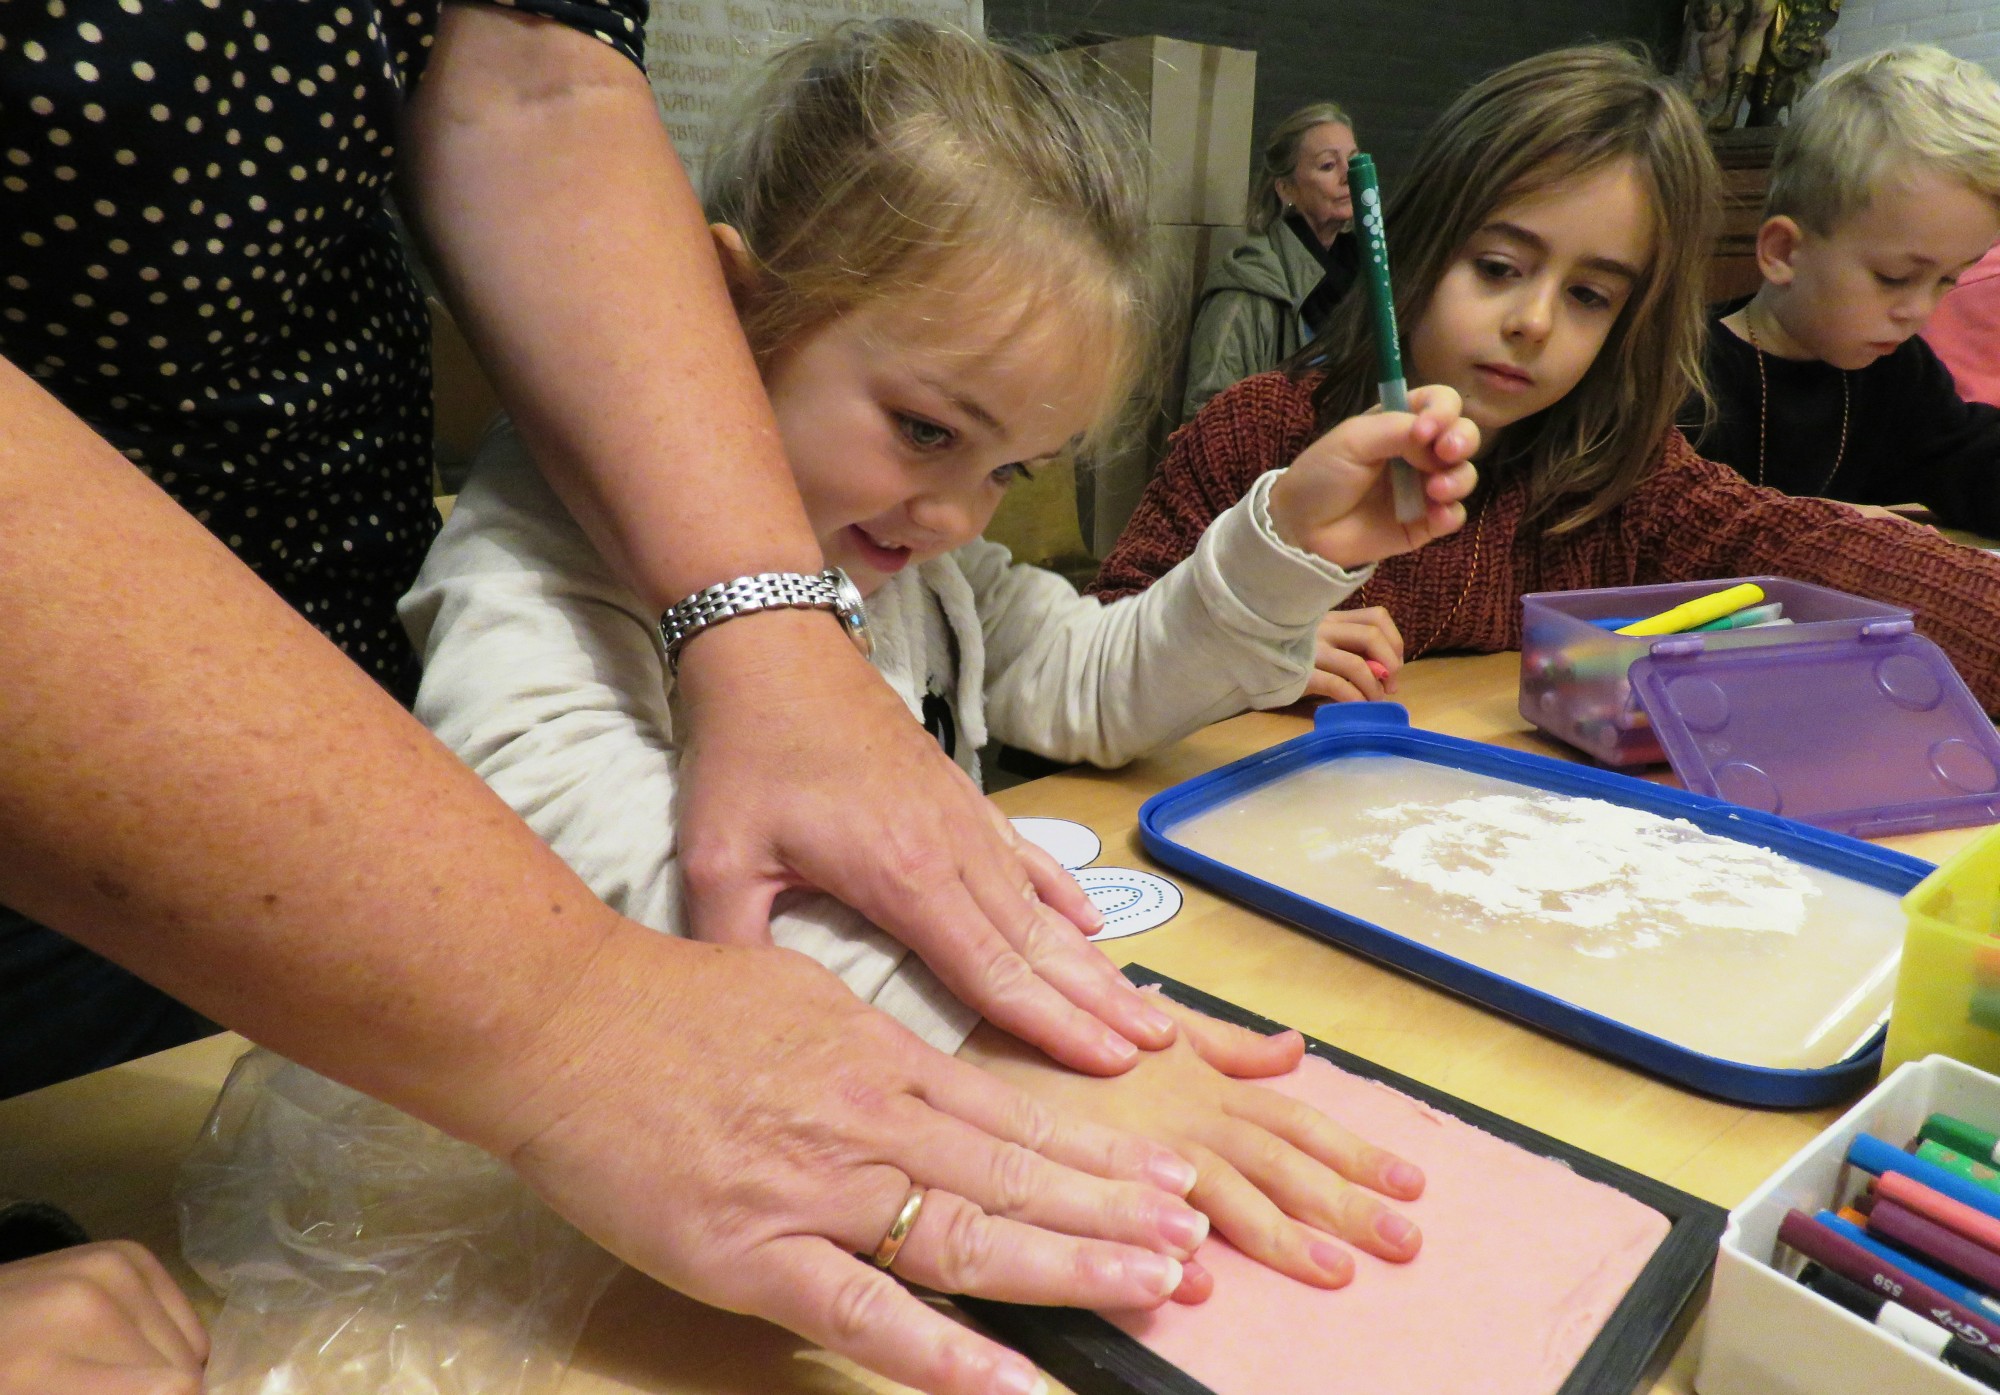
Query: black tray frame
{"type": "Point", "coordinates": [1092, 1357]}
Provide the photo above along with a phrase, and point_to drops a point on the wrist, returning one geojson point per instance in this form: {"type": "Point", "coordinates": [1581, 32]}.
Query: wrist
{"type": "Point", "coordinates": [757, 654]}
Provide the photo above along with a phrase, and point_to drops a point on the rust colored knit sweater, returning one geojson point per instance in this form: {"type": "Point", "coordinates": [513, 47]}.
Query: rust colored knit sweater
{"type": "Point", "coordinates": [1691, 520]}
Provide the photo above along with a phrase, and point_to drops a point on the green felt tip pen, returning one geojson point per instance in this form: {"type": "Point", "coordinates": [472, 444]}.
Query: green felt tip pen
{"type": "Point", "coordinates": [1367, 191]}
{"type": "Point", "coordinates": [1953, 1161]}
{"type": "Point", "coordinates": [1969, 1139]}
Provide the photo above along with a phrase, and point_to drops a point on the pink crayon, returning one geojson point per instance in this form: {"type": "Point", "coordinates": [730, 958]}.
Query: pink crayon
{"type": "Point", "coordinates": [1379, 669]}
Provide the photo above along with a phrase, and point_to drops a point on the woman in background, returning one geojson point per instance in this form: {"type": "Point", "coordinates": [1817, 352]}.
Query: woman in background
{"type": "Point", "coordinates": [1271, 294]}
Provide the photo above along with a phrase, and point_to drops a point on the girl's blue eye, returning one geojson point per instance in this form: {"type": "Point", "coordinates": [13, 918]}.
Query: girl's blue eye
{"type": "Point", "coordinates": [1007, 474]}
{"type": "Point", "coordinates": [924, 435]}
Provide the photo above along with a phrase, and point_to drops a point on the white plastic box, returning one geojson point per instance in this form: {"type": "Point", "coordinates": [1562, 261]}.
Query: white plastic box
{"type": "Point", "coordinates": [1768, 1335]}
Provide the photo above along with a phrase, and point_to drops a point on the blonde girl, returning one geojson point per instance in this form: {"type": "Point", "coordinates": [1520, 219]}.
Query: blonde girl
{"type": "Point", "coordinates": [1549, 243]}
{"type": "Point", "coordinates": [936, 249]}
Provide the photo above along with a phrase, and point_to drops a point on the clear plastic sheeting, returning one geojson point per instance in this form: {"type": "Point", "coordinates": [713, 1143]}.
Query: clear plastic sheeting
{"type": "Point", "coordinates": [359, 1251]}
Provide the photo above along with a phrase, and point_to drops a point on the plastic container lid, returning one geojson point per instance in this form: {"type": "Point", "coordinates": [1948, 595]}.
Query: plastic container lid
{"type": "Point", "coordinates": [1869, 736]}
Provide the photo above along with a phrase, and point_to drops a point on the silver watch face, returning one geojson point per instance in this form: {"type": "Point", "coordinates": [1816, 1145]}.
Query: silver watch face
{"type": "Point", "coordinates": [851, 611]}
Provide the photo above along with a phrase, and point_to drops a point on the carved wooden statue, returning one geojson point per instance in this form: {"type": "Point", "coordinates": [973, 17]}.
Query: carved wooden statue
{"type": "Point", "coordinates": [1768, 51]}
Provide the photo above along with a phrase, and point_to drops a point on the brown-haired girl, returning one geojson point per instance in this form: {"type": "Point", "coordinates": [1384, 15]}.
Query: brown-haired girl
{"type": "Point", "coordinates": [936, 254]}
{"type": "Point", "coordinates": [1549, 244]}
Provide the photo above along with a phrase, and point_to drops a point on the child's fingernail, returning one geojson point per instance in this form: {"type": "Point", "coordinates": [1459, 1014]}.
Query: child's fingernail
{"type": "Point", "coordinates": [1333, 1261]}
{"type": "Point", "coordinates": [1151, 1019]}
{"type": "Point", "coordinates": [1406, 1177]}
{"type": "Point", "coordinates": [1396, 1230]}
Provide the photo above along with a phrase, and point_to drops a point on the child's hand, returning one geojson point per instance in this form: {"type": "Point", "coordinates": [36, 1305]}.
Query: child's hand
{"type": "Point", "coordinates": [1352, 643]}
{"type": "Point", "coordinates": [1336, 501]}
{"type": "Point", "coordinates": [1276, 1177]}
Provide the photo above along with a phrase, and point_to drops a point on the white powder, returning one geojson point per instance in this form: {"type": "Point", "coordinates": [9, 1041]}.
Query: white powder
{"type": "Point", "coordinates": [1717, 945]}
{"type": "Point", "coordinates": [1635, 878]}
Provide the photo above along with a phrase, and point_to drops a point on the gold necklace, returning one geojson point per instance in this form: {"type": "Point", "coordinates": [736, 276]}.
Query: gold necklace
{"type": "Point", "coordinates": [1764, 406]}
{"type": "Point", "coordinates": [1478, 528]}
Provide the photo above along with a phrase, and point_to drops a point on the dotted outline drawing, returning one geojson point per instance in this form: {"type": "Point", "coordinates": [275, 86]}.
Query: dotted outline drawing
{"type": "Point", "coordinates": [1130, 901]}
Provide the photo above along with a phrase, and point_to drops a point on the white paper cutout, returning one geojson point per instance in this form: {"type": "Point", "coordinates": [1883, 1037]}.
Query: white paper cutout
{"type": "Point", "coordinates": [1067, 842]}
{"type": "Point", "coordinates": [1129, 901]}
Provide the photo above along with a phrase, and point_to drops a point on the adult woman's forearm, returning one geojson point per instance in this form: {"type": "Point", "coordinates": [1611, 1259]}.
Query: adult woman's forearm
{"type": "Point", "coordinates": [575, 255]}
{"type": "Point", "coordinates": [196, 784]}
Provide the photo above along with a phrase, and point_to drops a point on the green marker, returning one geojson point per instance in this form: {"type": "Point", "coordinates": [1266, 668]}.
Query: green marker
{"type": "Point", "coordinates": [1969, 1139]}
{"type": "Point", "coordinates": [1959, 1165]}
{"type": "Point", "coordinates": [1367, 190]}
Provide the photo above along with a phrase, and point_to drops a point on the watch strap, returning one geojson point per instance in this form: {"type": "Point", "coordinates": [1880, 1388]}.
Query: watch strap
{"type": "Point", "coordinates": [747, 595]}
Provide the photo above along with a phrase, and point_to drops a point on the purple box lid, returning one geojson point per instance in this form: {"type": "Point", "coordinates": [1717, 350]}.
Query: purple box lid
{"type": "Point", "coordinates": [1870, 736]}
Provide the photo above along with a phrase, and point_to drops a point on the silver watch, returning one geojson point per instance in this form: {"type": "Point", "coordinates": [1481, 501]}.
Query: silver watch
{"type": "Point", "coordinates": [746, 595]}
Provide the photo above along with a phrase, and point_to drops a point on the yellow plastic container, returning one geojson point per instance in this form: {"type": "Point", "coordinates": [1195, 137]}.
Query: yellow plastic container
{"type": "Point", "coordinates": [1948, 986]}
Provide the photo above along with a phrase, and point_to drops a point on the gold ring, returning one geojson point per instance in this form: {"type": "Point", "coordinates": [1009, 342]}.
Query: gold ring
{"type": "Point", "coordinates": [892, 1243]}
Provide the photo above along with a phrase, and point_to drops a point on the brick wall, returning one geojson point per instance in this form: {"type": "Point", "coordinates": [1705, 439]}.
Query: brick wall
{"type": "Point", "coordinates": [1968, 28]}
{"type": "Point", "coordinates": [1393, 63]}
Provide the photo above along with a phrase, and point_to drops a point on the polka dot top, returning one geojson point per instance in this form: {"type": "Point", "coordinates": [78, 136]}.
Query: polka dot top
{"type": "Point", "coordinates": [197, 258]}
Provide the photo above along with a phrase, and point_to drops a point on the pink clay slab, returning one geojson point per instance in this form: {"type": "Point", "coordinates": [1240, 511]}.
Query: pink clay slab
{"type": "Point", "coordinates": [1523, 1261]}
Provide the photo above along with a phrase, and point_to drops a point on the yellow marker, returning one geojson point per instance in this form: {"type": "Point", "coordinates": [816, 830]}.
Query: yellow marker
{"type": "Point", "coordinates": [1699, 611]}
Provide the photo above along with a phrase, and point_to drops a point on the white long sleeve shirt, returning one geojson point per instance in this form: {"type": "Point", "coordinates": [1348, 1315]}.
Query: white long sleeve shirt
{"type": "Point", "coordinates": [548, 677]}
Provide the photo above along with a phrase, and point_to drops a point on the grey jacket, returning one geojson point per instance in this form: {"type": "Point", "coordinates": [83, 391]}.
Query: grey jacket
{"type": "Point", "coordinates": [1248, 318]}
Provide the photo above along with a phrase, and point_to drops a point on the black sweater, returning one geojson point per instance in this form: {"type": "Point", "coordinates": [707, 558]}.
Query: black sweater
{"type": "Point", "coordinates": [1910, 437]}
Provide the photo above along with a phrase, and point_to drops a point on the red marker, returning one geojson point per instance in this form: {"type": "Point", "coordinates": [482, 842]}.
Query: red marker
{"type": "Point", "coordinates": [1379, 669]}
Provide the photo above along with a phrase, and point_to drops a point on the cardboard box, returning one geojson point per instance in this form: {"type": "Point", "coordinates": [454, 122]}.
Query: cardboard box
{"type": "Point", "coordinates": [1109, 486]}
{"type": "Point", "coordinates": [1195, 102]}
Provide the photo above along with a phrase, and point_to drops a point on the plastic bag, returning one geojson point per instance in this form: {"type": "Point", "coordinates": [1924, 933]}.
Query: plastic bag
{"type": "Point", "coordinates": [362, 1252]}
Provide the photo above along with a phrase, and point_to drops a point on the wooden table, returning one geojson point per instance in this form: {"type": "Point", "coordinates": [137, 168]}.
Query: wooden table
{"type": "Point", "coordinates": [106, 1147]}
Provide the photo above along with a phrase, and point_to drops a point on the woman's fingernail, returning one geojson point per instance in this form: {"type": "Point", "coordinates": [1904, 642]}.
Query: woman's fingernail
{"type": "Point", "coordinates": [1396, 1230]}
{"type": "Point", "coordinates": [1020, 1379]}
{"type": "Point", "coordinates": [1185, 1228]}
{"type": "Point", "coordinates": [1155, 1021]}
{"type": "Point", "coordinates": [1406, 1177]}
{"type": "Point", "coordinates": [1333, 1261]}
{"type": "Point", "coordinates": [1172, 1173]}
{"type": "Point", "coordinates": [1161, 1274]}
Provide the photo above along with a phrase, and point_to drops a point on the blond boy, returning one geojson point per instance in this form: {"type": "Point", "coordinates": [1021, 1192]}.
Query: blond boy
{"type": "Point", "coordinates": [1884, 188]}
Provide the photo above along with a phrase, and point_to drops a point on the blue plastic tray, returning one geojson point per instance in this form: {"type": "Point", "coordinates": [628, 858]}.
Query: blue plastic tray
{"type": "Point", "coordinates": [1383, 728]}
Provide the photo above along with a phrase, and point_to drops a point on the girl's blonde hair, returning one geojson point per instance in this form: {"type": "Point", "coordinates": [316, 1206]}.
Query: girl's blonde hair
{"type": "Point", "coordinates": [1281, 160]}
{"type": "Point", "coordinates": [894, 157]}
{"type": "Point", "coordinates": [1557, 117]}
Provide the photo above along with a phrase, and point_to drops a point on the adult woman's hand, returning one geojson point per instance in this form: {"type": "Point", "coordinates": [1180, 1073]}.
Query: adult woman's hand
{"type": "Point", "coordinates": [101, 1319]}
{"type": "Point", "coordinates": [830, 784]}
{"type": "Point", "coordinates": [786, 1135]}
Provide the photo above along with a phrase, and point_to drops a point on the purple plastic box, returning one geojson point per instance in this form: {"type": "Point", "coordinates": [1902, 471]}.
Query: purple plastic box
{"type": "Point", "coordinates": [1574, 676]}
{"type": "Point", "coordinates": [1847, 719]}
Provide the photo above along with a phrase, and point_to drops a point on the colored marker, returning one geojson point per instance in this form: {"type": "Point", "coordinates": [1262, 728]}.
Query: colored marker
{"type": "Point", "coordinates": [1968, 1139]}
{"type": "Point", "coordinates": [1698, 611]}
{"type": "Point", "coordinates": [1928, 1240]}
{"type": "Point", "coordinates": [1959, 1165]}
{"type": "Point", "coordinates": [1617, 622]}
{"type": "Point", "coordinates": [1379, 669]}
{"type": "Point", "coordinates": [1934, 1206]}
{"type": "Point", "coordinates": [1913, 1329]}
{"type": "Point", "coordinates": [1849, 1260]}
{"type": "Point", "coordinates": [1366, 187]}
{"type": "Point", "coordinates": [1748, 618]}
{"type": "Point", "coordinates": [1872, 1155]}
{"type": "Point", "coordinates": [1854, 1227]}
